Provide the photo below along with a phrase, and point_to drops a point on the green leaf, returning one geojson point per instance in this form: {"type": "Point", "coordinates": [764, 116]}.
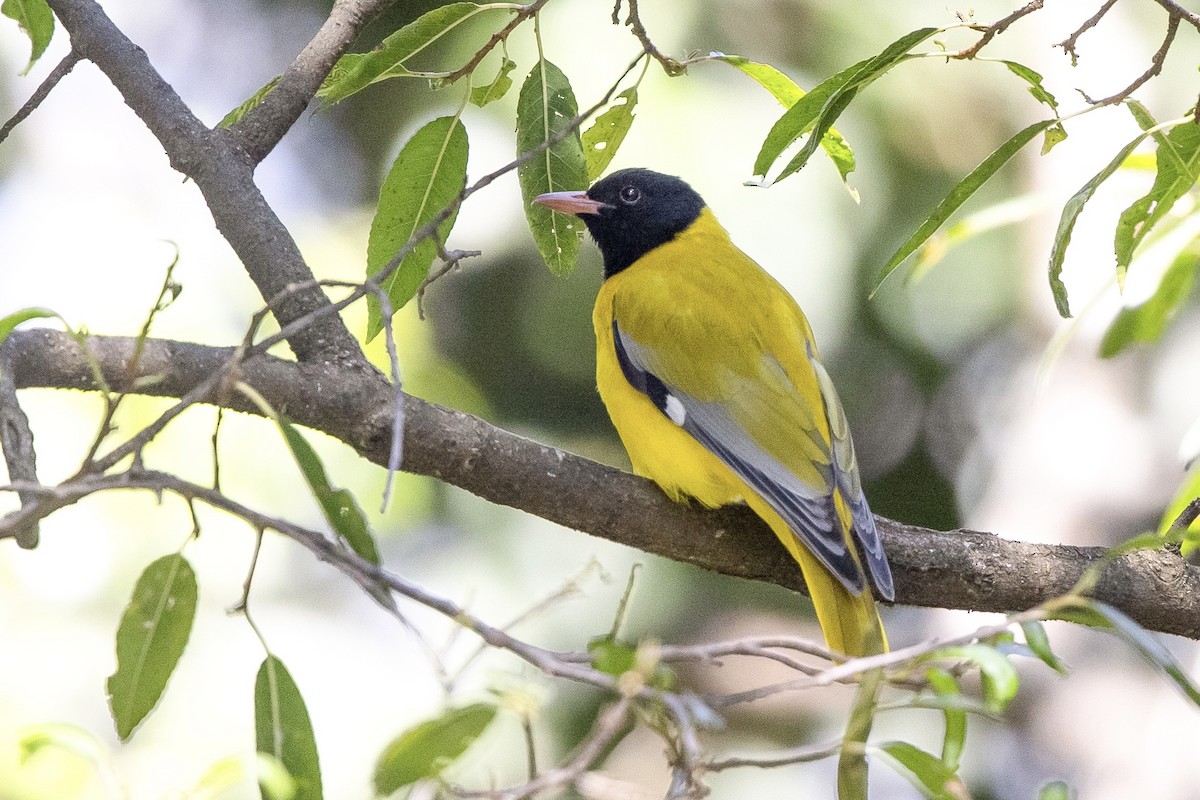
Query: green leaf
{"type": "Point", "coordinates": [427, 177]}
{"type": "Point", "coordinates": [839, 99]}
{"type": "Point", "coordinates": [37, 20]}
{"type": "Point", "coordinates": [251, 102]}
{"type": "Point", "coordinates": [781, 87]}
{"type": "Point", "coordinates": [1038, 643]}
{"type": "Point", "coordinates": [959, 195]}
{"type": "Point", "coordinates": [10, 322]}
{"type": "Point", "coordinates": [1187, 492]}
{"type": "Point", "coordinates": [482, 95]}
{"type": "Point", "coordinates": [924, 771]}
{"type": "Point", "coordinates": [1178, 171]}
{"type": "Point", "coordinates": [1066, 223]}
{"type": "Point", "coordinates": [997, 675]}
{"type": "Point", "coordinates": [1034, 79]}
{"type": "Point", "coordinates": [283, 729]}
{"type": "Point", "coordinates": [544, 108]}
{"type": "Point", "coordinates": [600, 142]}
{"type": "Point", "coordinates": [1099, 614]}
{"type": "Point", "coordinates": [946, 685]}
{"type": "Point", "coordinates": [1056, 790]}
{"type": "Point", "coordinates": [1146, 323]}
{"type": "Point", "coordinates": [153, 632]}
{"type": "Point", "coordinates": [1055, 135]}
{"type": "Point", "coordinates": [800, 118]}
{"type": "Point", "coordinates": [427, 749]}
{"type": "Point", "coordinates": [616, 658]}
{"type": "Point", "coordinates": [356, 71]}
{"type": "Point", "coordinates": [340, 508]}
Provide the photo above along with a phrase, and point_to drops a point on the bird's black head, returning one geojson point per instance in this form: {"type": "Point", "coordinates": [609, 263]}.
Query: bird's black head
{"type": "Point", "coordinates": [630, 213]}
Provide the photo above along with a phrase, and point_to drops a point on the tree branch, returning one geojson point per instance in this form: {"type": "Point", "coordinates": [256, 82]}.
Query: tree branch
{"type": "Point", "coordinates": [225, 176]}
{"type": "Point", "coordinates": [957, 569]}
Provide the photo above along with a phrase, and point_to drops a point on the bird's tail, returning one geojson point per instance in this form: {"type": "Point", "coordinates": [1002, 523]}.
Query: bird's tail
{"type": "Point", "coordinates": [850, 623]}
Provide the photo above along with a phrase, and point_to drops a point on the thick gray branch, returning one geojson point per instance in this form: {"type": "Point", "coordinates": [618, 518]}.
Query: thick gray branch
{"type": "Point", "coordinates": [956, 569]}
{"type": "Point", "coordinates": [225, 176]}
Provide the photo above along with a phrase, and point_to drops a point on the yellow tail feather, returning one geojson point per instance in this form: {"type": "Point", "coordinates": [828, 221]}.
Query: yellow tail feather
{"type": "Point", "coordinates": [850, 623]}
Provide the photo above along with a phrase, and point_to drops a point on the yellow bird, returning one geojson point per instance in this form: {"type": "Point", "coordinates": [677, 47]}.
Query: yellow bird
{"type": "Point", "coordinates": [710, 373]}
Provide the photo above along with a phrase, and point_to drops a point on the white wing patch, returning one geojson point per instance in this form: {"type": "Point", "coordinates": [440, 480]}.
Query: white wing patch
{"type": "Point", "coordinates": [675, 410]}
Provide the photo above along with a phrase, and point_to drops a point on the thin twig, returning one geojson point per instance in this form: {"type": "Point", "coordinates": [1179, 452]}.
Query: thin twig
{"type": "Point", "coordinates": [41, 93]}
{"type": "Point", "coordinates": [996, 28]}
{"type": "Point", "coordinates": [523, 13]}
{"type": "Point", "coordinates": [634, 20]}
{"type": "Point", "coordinates": [1179, 12]}
{"type": "Point", "coordinates": [1068, 44]}
{"type": "Point", "coordinates": [1156, 66]}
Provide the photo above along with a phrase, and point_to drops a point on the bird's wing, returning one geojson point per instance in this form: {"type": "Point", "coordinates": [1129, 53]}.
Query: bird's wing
{"type": "Point", "coordinates": [773, 435]}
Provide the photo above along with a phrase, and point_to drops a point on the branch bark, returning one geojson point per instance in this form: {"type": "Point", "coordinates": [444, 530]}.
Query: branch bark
{"type": "Point", "coordinates": [224, 173]}
{"type": "Point", "coordinates": [960, 569]}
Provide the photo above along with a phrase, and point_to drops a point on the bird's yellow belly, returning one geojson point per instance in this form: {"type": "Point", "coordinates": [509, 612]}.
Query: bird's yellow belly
{"type": "Point", "coordinates": [659, 449]}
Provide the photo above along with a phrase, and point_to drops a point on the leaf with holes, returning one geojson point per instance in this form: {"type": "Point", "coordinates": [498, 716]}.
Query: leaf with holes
{"type": "Point", "coordinates": [545, 107]}
{"type": "Point", "coordinates": [600, 142]}
{"type": "Point", "coordinates": [150, 640]}
{"type": "Point", "coordinates": [426, 178]}
{"type": "Point", "coordinates": [1178, 171]}
{"type": "Point", "coordinates": [283, 729]}
{"type": "Point", "coordinates": [37, 20]}
{"type": "Point", "coordinates": [427, 749]}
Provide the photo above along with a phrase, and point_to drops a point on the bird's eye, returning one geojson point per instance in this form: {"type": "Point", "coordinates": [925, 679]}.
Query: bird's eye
{"type": "Point", "coordinates": [630, 195]}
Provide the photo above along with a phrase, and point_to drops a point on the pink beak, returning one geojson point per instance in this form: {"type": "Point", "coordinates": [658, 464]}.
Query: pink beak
{"type": "Point", "coordinates": [570, 202]}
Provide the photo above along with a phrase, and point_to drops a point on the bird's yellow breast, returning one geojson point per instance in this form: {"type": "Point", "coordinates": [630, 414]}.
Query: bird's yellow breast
{"type": "Point", "coordinates": [705, 309]}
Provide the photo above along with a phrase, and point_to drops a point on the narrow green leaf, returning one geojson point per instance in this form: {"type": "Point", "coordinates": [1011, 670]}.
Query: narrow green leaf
{"type": "Point", "coordinates": [946, 685]}
{"type": "Point", "coordinates": [1038, 643]}
{"type": "Point", "coordinates": [1056, 790]}
{"type": "Point", "coordinates": [150, 639]}
{"type": "Point", "coordinates": [600, 142]}
{"type": "Point", "coordinates": [1178, 171]}
{"type": "Point", "coordinates": [356, 71]}
{"type": "Point", "coordinates": [37, 20]}
{"type": "Point", "coordinates": [800, 118]}
{"type": "Point", "coordinates": [283, 729]}
{"type": "Point", "coordinates": [253, 101]}
{"type": "Point", "coordinates": [924, 771]}
{"type": "Point", "coordinates": [997, 676]}
{"type": "Point", "coordinates": [427, 177]}
{"type": "Point", "coordinates": [10, 322]}
{"type": "Point", "coordinates": [784, 89]}
{"type": "Point", "coordinates": [1146, 323]}
{"type": "Point", "coordinates": [781, 87]}
{"type": "Point", "coordinates": [895, 53]}
{"type": "Point", "coordinates": [1188, 491]}
{"type": "Point", "coordinates": [1034, 79]}
{"type": "Point", "coordinates": [959, 195]}
{"type": "Point", "coordinates": [339, 506]}
{"type": "Point", "coordinates": [427, 749]}
{"type": "Point", "coordinates": [482, 95]}
{"type": "Point", "coordinates": [544, 108]}
{"type": "Point", "coordinates": [1139, 638]}
{"type": "Point", "coordinates": [611, 656]}
{"type": "Point", "coordinates": [1070, 214]}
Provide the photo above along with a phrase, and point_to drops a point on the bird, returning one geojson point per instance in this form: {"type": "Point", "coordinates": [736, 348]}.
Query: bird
{"type": "Point", "coordinates": [710, 373]}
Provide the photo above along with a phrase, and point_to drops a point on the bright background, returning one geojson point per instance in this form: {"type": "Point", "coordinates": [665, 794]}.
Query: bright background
{"type": "Point", "coordinates": [973, 404]}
